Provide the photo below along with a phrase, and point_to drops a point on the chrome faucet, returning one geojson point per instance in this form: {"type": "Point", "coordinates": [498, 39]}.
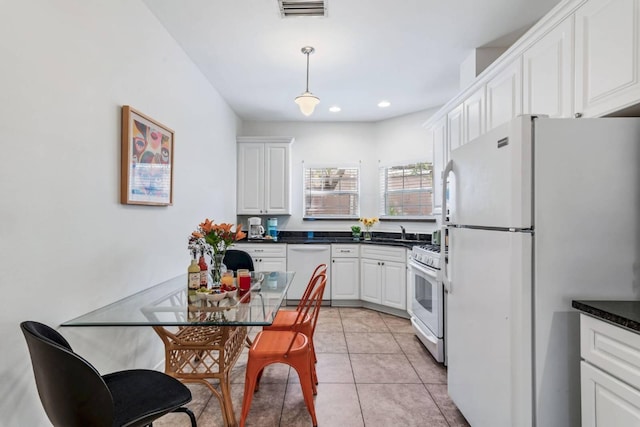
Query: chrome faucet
{"type": "Point", "coordinates": [403, 234]}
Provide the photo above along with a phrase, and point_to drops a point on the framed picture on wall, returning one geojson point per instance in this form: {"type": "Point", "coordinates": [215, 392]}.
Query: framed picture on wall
{"type": "Point", "coordinates": [147, 160]}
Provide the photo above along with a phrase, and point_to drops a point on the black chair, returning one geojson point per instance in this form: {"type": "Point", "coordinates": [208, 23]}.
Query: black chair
{"type": "Point", "coordinates": [74, 394]}
{"type": "Point", "coordinates": [235, 259]}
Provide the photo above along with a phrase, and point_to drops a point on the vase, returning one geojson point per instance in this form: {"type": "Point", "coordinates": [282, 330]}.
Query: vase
{"type": "Point", "coordinates": [216, 269]}
{"type": "Point", "coordinates": [367, 235]}
{"type": "Point", "coordinates": [356, 236]}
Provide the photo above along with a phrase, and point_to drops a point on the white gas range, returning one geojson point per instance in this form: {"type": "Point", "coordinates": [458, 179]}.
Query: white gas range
{"type": "Point", "coordinates": [427, 301]}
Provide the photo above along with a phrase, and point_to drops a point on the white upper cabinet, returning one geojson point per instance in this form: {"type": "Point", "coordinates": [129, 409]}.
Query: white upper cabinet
{"type": "Point", "coordinates": [548, 73]}
{"type": "Point", "coordinates": [504, 95]}
{"type": "Point", "coordinates": [264, 176]}
{"type": "Point", "coordinates": [438, 135]}
{"type": "Point", "coordinates": [455, 125]}
{"type": "Point", "coordinates": [474, 115]}
{"type": "Point", "coordinates": [607, 56]}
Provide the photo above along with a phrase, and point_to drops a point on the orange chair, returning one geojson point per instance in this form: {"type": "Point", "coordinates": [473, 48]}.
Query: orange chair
{"type": "Point", "coordinates": [290, 347]}
{"type": "Point", "coordinates": [288, 320]}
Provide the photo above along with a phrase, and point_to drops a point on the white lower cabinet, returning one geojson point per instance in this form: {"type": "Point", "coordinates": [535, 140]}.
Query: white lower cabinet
{"type": "Point", "coordinates": [345, 272]}
{"type": "Point", "coordinates": [371, 280]}
{"type": "Point", "coordinates": [383, 276]}
{"type": "Point", "coordinates": [609, 374]}
{"type": "Point", "coordinates": [266, 256]}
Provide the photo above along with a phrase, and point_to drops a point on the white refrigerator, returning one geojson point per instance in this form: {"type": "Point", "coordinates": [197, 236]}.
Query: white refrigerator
{"type": "Point", "coordinates": [542, 211]}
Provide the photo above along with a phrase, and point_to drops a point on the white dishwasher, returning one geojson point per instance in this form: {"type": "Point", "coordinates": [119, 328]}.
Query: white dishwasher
{"type": "Point", "coordinates": [303, 259]}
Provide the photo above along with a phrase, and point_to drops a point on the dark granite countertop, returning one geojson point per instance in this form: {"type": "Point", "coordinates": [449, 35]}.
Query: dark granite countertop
{"type": "Point", "coordinates": [623, 313]}
{"type": "Point", "coordinates": [388, 239]}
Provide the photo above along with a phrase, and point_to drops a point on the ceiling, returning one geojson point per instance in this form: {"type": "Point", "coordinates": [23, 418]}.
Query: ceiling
{"type": "Point", "coordinates": [405, 51]}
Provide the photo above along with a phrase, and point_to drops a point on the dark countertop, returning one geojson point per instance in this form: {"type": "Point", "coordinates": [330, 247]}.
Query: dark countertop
{"type": "Point", "coordinates": [623, 313]}
{"type": "Point", "coordinates": [388, 239]}
{"type": "Point", "coordinates": [327, 241]}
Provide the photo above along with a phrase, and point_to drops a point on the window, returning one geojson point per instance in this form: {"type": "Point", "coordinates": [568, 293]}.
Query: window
{"type": "Point", "coordinates": [406, 190]}
{"type": "Point", "coordinates": [332, 192]}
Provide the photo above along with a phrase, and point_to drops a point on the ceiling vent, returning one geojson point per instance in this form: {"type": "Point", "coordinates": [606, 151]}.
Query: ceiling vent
{"type": "Point", "coordinates": [291, 8]}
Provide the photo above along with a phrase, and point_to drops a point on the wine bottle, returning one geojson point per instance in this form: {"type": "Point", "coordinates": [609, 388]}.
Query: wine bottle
{"type": "Point", "coordinates": [193, 274]}
{"type": "Point", "coordinates": [204, 271]}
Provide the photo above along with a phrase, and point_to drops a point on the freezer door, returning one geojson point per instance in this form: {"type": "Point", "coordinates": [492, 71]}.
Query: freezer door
{"type": "Point", "coordinates": [492, 185]}
{"type": "Point", "coordinates": [489, 331]}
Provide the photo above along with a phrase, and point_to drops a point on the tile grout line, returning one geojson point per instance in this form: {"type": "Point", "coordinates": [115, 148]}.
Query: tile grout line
{"type": "Point", "coordinates": [422, 382]}
{"type": "Point", "coordinates": [353, 375]}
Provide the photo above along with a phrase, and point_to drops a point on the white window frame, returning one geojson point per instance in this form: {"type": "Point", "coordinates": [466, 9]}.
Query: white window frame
{"type": "Point", "coordinates": [306, 167]}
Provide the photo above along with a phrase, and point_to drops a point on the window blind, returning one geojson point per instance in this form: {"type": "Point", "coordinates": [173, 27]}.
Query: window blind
{"type": "Point", "coordinates": [332, 192]}
{"type": "Point", "coordinates": [406, 190]}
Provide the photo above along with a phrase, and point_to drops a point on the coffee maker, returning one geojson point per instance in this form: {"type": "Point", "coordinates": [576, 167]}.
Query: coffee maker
{"type": "Point", "coordinates": [256, 230]}
{"type": "Point", "coordinates": [272, 228]}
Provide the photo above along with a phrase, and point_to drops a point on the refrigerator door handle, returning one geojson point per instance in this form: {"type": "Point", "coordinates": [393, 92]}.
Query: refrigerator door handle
{"type": "Point", "coordinates": [443, 240]}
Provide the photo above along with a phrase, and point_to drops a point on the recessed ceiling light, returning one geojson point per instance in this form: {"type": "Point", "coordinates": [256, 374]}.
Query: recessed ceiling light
{"type": "Point", "coordinates": [335, 109]}
{"type": "Point", "coordinates": [383, 104]}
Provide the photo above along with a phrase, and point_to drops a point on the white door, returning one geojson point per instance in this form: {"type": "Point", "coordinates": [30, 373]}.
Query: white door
{"type": "Point", "coordinates": [504, 95]}
{"type": "Point", "coordinates": [607, 401]}
{"type": "Point", "coordinates": [474, 115]}
{"type": "Point", "coordinates": [489, 329]}
{"type": "Point", "coordinates": [394, 287]}
{"type": "Point", "coordinates": [492, 186]}
{"type": "Point", "coordinates": [250, 179]}
{"type": "Point", "coordinates": [438, 133]}
{"type": "Point", "coordinates": [276, 179]}
{"type": "Point", "coordinates": [607, 56]}
{"type": "Point", "coordinates": [345, 278]}
{"type": "Point", "coordinates": [370, 280]}
{"type": "Point", "coordinates": [548, 73]}
{"type": "Point", "coordinates": [455, 125]}
{"type": "Point", "coordinates": [272, 264]}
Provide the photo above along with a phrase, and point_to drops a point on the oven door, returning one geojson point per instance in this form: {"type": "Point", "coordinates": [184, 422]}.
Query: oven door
{"type": "Point", "coordinates": [427, 301]}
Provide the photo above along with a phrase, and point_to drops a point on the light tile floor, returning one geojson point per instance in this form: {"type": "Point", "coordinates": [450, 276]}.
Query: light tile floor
{"type": "Point", "coordinates": [372, 372]}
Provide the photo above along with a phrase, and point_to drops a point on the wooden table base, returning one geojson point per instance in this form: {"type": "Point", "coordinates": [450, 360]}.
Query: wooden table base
{"type": "Point", "coordinates": [195, 354]}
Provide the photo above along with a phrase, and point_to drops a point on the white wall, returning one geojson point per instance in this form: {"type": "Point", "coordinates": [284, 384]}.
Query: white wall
{"type": "Point", "coordinates": [67, 245]}
{"type": "Point", "coordinates": [398, 139]}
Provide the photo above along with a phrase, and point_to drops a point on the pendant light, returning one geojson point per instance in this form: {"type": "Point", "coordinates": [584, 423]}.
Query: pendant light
{"type": "Point", "coordinates": [307, 101]}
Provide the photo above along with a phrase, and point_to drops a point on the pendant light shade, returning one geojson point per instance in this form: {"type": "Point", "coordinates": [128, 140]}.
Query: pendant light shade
{"type": "Point", "coordinates": [307, 101]}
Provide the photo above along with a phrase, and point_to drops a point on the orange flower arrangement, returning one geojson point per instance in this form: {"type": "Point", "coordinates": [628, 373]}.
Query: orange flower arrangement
{"type": "Point", "coordinates": [218, 237]}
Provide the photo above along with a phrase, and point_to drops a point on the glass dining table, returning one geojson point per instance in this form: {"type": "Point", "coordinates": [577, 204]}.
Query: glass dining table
{"type": "Point", "coordinates": [203, 333]}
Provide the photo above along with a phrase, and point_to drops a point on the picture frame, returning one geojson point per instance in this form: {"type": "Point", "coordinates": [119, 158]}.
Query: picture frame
{"type": "Point", "coordinates": [147, 160]}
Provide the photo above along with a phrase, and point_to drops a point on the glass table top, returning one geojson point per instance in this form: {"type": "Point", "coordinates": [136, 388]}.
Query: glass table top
{"type": "Point", "coordinates": [170, 304]}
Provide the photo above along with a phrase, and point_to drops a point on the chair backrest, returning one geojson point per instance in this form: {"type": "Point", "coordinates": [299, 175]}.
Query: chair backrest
{"type": "Point", "coordinates": [320, 269]}
{"type": "Point", "coordinates": [71, 390]}
{"type": "Point", "coordinates": [235, 259]}
{"type": "Point", "coordinates": [311, 306]}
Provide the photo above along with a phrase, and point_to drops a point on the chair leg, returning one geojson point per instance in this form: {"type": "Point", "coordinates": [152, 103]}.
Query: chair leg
{"type": "Point", "coordinates": [189, 413]}
{"type": "Point", "coordinates": [307, 385]}
{"type": "Point", "coordinates": [252, 372]}
{"type": "Point", "coordinates": [258, 377]}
